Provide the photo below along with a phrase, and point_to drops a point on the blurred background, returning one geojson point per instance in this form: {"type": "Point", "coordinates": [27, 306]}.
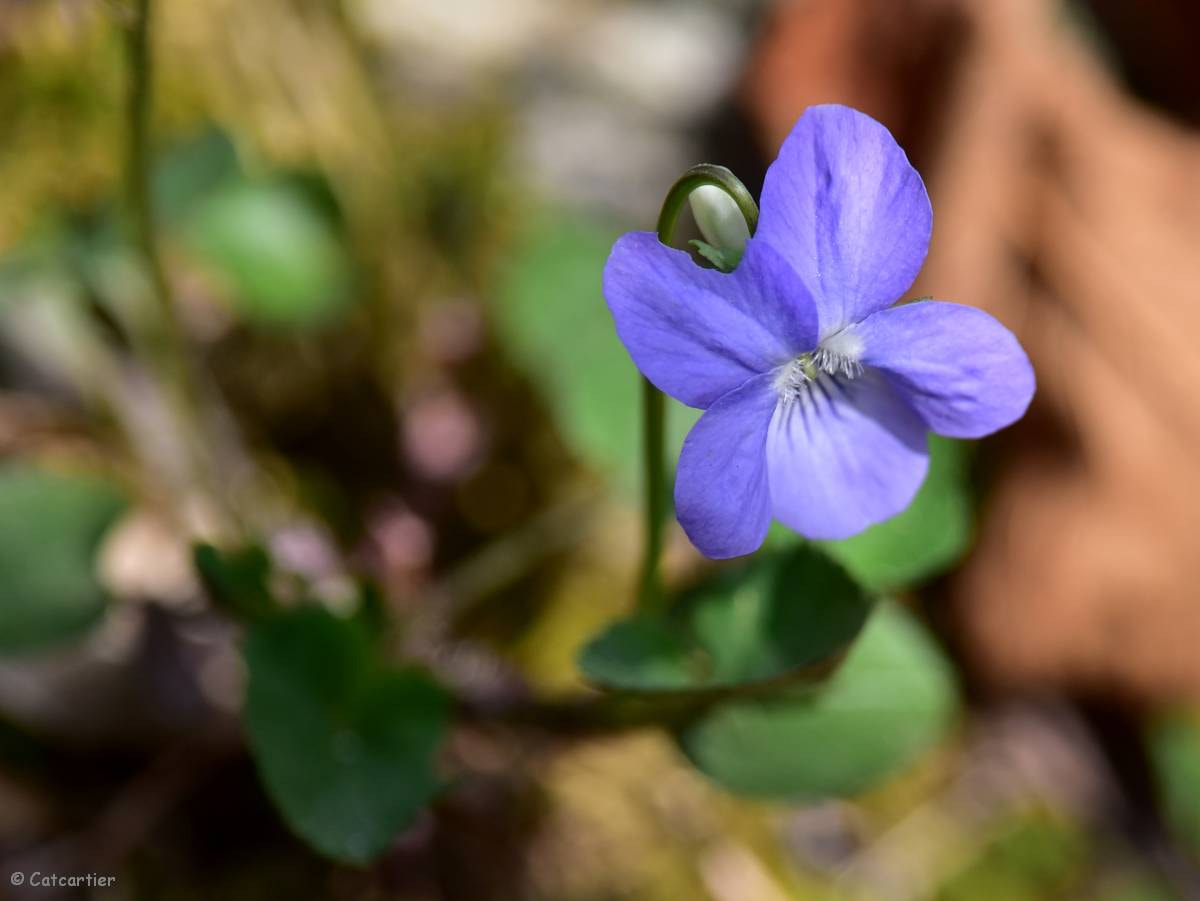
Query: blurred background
{"type": "Point", "coordinates": [372, 338]}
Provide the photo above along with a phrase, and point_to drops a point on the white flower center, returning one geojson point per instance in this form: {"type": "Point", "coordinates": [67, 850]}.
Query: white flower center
{"type": "Point", "coordinates": [836, 358]}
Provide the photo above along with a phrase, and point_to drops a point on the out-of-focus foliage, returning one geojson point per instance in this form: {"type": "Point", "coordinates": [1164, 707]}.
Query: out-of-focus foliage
{"type": "Point", "coordinates": [765, 622]}
{"type": "Point", "coordinates": [552, 318]}
{"type": "Point", "coordinates": [190, 171]}
{"type": "Point", "coordinates": [1174, 744]}
{"type": "Point", "coordinates": [1032, 857]}
{"type": "Point", "coordinates": [344, 742]}
{"type": "Point", "coordinates": [278, 257]}
{"type": "Point", "coordinates": [927, 538]}
{"type": "Point", "coordinates": [892, 698]}
{"type": "Point", "coordinates": [270, 244]}
{"type": "Point", "coordinates": [50, 526]}
{"type": "Point", "coordinates": [755, 623]}
{"type": "Point", "coordinates": [236, 580]}
{"type": "Point", "coordinates": [61, 103]}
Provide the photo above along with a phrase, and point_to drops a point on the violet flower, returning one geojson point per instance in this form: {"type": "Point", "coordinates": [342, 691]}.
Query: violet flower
{"type": "Point", "coordinates": [818, 392]}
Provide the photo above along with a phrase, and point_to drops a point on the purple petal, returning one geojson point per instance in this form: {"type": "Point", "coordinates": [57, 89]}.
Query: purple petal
{"type": "Point", "coordinates": [698, 333]}
{"type": "Point", "coordinates": [769, 291]}
{"type": "Point", "coordinates": [845, 207]}
{"type": "Point", "coordinates": [843, 456]}
{"type": "Point", "coordinates": [721, 496]}
{"type": "Point", "coordinates": [961, 370]}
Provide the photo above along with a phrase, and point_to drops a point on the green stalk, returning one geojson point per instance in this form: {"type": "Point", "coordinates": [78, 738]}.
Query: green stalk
{"type": "Point", "coordinates": [137, 167]}
{"type": "Point", "coordinates": [160, 337]}
{"type": "Point", "coordinates": [654, 463]}
{"type": "Point", "coordinates": [159, 340]}
{"type": "Point", "coordinates": [651, 597]}
{"type": "Point", "coordinates": [695, 177]}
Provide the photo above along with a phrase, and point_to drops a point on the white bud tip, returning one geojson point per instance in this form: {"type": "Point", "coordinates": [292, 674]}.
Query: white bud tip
{"type": "Point", "coordinates": [718, 217]}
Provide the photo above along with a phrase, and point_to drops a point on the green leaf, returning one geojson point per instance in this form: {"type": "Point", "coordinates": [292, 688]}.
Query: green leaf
{"type": "Point", "coordinates": [275, 251]}
{"type": "Point", "coordinates": [724, 258]}
{"type": "Point", "coordinates": [553, 321]}
{"type": "Point", "coordinates": [50, 527]}
{"type": "Point", "coordinates": [371, 609]}
{"type": "Point", "coordinates": [1174, 745]}
{"type": "Point", "coordinates": [345, 746]}
{"type": "Point", "coordinates": [236, 580]}
{"type": "Point", "coordinates": [644, 654]}
{"type": "Point", "coordinates": [927, 538]}
{"type": "Point", "coordinates": [1030, 854]}
{"type": "Point", "coordinates": [892, 698]}
{"type": "Point", "coordinates": [752, 624]}
{"type": "Point", "coordinates": [187, 174]}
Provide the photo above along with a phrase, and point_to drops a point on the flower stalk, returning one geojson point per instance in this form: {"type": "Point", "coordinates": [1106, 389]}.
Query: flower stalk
{"type": "Point", "coordinates": [699, 176]}
{"type": "Point", "coordinates": [159, 337]}
{"type": "Point", "coordinates": [213, 453]}
{"type": "Point", "coordinates": [139, 203]}
{"type": "Point", "coordinates": [651, 596]}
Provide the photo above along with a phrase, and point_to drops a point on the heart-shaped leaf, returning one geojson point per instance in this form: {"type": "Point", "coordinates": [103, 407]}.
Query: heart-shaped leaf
{"type": "Point", "coordinates": [275, 252]}
{"type": "Point", "coordinates": [762, 621]}
{"type": "Point", "coordinates": [50, 527]}
{"type": "Point", "coordinates": [892, 698]}
{"type": "Point", "coordinates": [927, 538]}
{"type": "Point", "coordinates": [345, 745]}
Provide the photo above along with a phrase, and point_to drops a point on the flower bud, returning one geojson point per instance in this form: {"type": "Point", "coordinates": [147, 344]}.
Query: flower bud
{"type": "Point", "coordinates": [718, 217]}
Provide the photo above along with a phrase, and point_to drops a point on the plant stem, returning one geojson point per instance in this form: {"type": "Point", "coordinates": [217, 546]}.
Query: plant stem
{"type": "Point", "coordinates": [159, 339]}
{"type": "Point", "coordinates": [654, 462]}
{"type": "Point", "coordinates": [650, 591]}
{"type": "Point", "coordinates": [695, 177]}
{"type": "Point", "coordinates": [159, 336]}
{"type": "Point", "coordinates": [168, 343]}
{"type": "Point", "coordinates": [138, 111]}
{"type": "Point", "coordinates": [618, 711]}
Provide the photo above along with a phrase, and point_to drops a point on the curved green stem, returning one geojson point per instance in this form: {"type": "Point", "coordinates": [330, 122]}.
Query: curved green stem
{"type": "Point", "coordinates": [650, 592]}
{"type": "Point", "coordinates": [695, 177]}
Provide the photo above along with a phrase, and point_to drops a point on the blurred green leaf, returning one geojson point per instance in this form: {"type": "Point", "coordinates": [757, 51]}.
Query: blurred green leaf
{"type": "Point", "coordinates": [185, 175]}
{"type": "Point", "coordinates": [1136, 886]}
{"type": "Point", "coordinates": [892, 698]}
{"type": "Point", "coordinates": [552, 318]}
{"type": "Point", "coordinates": [1032, 855]}
{"type": "Point", "coordinates": [927, 538]}
{"type": "Point", "coordinates": [750, 624]}
{"type": "Point", "coordinates": [237, 580]}
{"type": "Point", "coordinates": [644, 654]}
{"type": "Point", "coordinates": [50, 527]}
{"type": "Point", "coordinates": [275, 251]}
{"type": "Point", "coordinates": [1174, 746]}
{"type": "Point", "coordinates": [345, 745]}
{"type": "Point", "coordinates": [371, 609]}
